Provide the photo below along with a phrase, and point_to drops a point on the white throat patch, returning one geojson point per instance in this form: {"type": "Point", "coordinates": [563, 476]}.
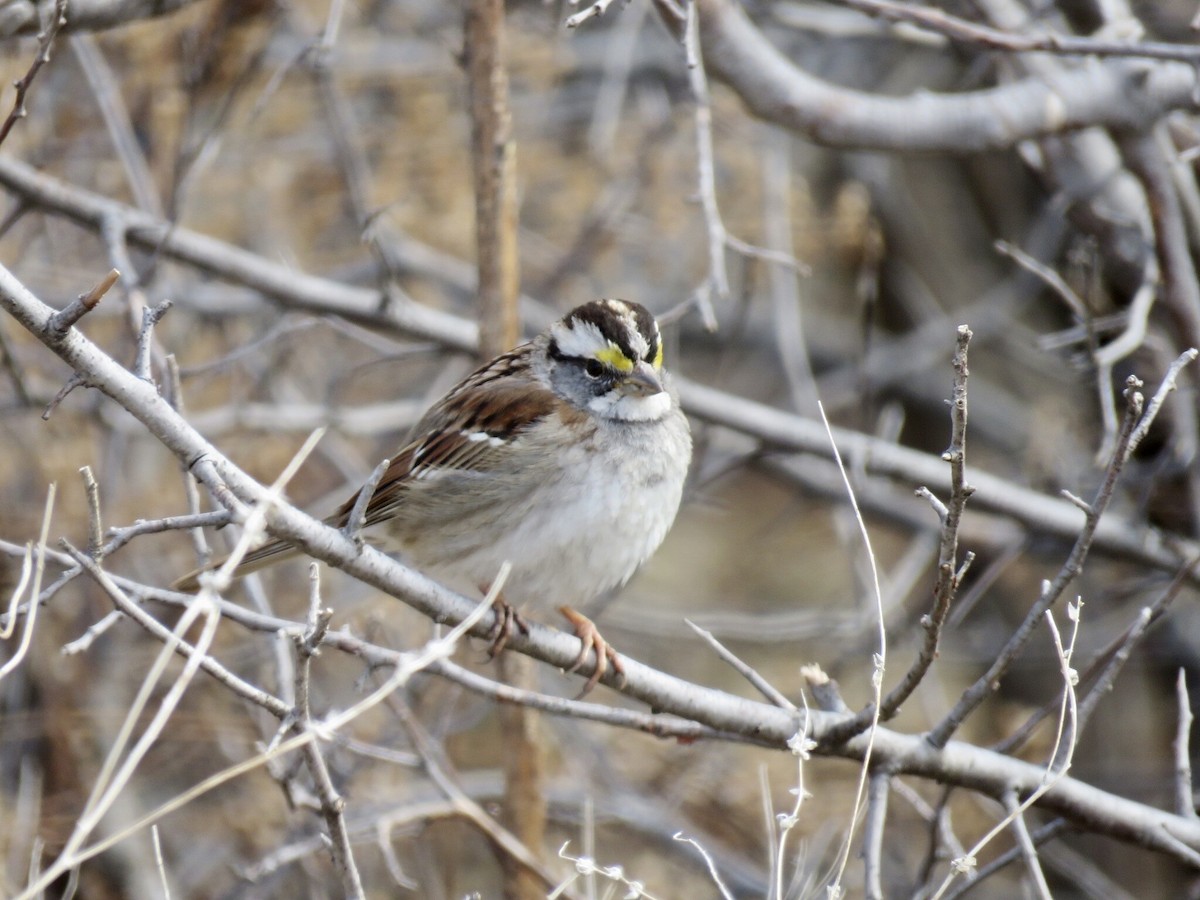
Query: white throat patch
{"type": "Point", "coordinates": [631, 408]}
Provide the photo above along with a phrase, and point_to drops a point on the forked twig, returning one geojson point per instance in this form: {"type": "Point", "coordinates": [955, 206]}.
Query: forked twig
{"type": "Point", "coordinates": [45, 42]}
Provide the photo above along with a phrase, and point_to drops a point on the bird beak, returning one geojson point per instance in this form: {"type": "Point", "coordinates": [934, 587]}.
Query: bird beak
{"type": "Point", "coordinates": [643, 381]}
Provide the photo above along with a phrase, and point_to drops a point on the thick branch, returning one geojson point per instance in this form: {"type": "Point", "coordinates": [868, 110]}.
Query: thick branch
{"type": "Point", "coordinates": [495, 159]}
{"type": "Point", "coordinates": [85, 15]}
{"type": "Point", "coordinates": [1115, 92]}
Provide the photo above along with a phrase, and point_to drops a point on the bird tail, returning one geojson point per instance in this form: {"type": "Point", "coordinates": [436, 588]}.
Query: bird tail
{"type": "Point", "coordinates": [266, 555]}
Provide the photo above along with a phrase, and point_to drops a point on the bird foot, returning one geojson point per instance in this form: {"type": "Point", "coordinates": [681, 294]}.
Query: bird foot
{"type": "Point", "coordinates": [506, 618]}
{"type": "Point", "coordinates": [589, 635]}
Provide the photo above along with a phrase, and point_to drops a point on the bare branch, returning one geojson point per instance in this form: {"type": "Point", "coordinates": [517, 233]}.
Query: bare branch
{"type": "Point", "coordinates": [761, 684]}
{"type": "Point", "coordinates": [126, 605]}
{"type": "Point", "coordinates": [1160, 396]}
{"type": "Point", "coordinates": [1042, 835]}
{"type": "Point", "coordinates": [949, 574]}
{"type": "Point", "coordinates": [358, 513]}
{"type": "Point", "coordinates": [61, 322]}
{"type": "Point", "coordinates": [873, 828]}
{"type": "Point", "coordinates": [964, 31]}
{"type": "Point", "coordinates": [1146, 158]}
{"type": "Point", "coordinates": [39, 568]}
{"type": "Point", "coordinates": [150, 318]}
{"type": "Point", "coordinates": [718, 276]}
{"type": "Point", "coordinates": [957, 763]}
{"type": "Point", "coordinates": [1036, 511]}
{"type": "Point", "coordinates": [1114, 92]}
{"type": "Point", "coordinates": [95, 528]}
{"type": "Point", "coordinates": [1051, 591]}
{"type": "Point", "coordinates": [1185, 802]}
{"type": "Point", "coordinates": [591, 11]}
{"type": "Point", "coordinates": [86, 15]}
{"type": "Point", "coordinates": [495, 170]}
{"type": "Point", "coordinates": [1026, 846]}
{"type": "Point", "coordinates": [46, 36]}
{"type": "Point", "coordinates": [333, 806]}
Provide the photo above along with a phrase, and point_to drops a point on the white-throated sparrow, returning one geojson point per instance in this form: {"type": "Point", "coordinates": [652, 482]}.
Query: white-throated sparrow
{"type": "Point", "coordinates": [565, 456]}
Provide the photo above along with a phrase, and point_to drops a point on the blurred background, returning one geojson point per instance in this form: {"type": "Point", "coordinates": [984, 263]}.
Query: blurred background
{"type": "Point", "coordinates": [354, 164]}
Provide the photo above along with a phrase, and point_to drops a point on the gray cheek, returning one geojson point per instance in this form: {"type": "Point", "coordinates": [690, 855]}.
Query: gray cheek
{"type": "Point", "coordinates": [570, 382]}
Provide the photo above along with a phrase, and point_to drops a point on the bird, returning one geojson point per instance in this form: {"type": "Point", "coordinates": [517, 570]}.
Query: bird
{"type": "Point", "coordinates": [566, 457]}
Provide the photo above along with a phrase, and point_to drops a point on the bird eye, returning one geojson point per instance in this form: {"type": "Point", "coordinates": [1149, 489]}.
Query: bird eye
{"type": "Point", "coordinates": [594, 368]}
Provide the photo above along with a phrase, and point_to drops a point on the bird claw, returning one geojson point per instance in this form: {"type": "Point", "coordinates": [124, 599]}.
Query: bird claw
{"type": "Point", "coordinates": [591, 639]}
{"type": "Point", "coordinates": [502, 628]}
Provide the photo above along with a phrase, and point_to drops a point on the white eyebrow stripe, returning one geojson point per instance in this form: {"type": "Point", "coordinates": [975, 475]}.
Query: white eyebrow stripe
{"type": "Point", "coordinates": [580, 339]}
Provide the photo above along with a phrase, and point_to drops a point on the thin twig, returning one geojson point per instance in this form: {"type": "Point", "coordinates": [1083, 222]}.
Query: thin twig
{"type": "Point", "coordinates": [1061, 754]}
{"type": "Point", "coordinates": [1051, 591]}
{"type": "Point", "coordinates": [949, 571]}
{"type": "Point", "coordinates": [8, 622]}
{"type": "Point", "coordinates": [358, 513]}
{"type": "Point", "coordinates": [1185, 795]}
{"type": "Point", "coordinates": [145, 342]}
{"type": "Point", "coordinates": [39, 569]}
{"type": "Point", "coordinates": [159, 863]}
{"type": "Point", "coordinates": [1048, 275]}
{"type": "Point", "coordinates": [801, 746]}
{"type": "Point", "coordinates": [46, 38]}
{"type": "Point", "coordinates": [333, 805]}
{"type": "Point", "coordinates": [76, 380]}
{"type": "Point", "coordinates": [1160, 396]}
{"type": "Point", "coordinates": [1025, 844]}
{"type": "Point", "coordinates": [594, 10]}
{"type": "Point", "coordinates": [95, 528]}
{"type": "Point", "coordinates": [1042, 835]}
{"type": "Point", "coordinates": [761, 684]}
{"type": "Point", "coordinates": [438, 769]}
{"type": "Point", "coordinates": [873, 827]}
{"type": "Point", "coordinates": [1108, 662]}
{"type": "Point", "coordinates": [965, 31]}
{"type": "Point", "coordinates": [105, 87]}
{"type": "Point", "coordinates": [879, 661]}
{"type": "Point", "coordinates": [61, 321]}
{"type": "Point", "coordinates": [713, 872]}
{"type": "Point", "coordinates": [118, 537]}
{"type": "Point", "coordinates": [409, 664]}
{"type": "Point", "coordinates": [84, 642]}
{"type": "Point", "coordinates": [718, 275]}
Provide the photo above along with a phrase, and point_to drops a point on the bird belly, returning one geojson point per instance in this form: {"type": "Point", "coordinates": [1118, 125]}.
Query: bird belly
{"type": "Point", "coordinates": [571, 533]}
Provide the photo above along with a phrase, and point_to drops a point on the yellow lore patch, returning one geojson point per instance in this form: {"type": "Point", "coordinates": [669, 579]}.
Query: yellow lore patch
{"type": "Point", "coordinates": [614, 357]}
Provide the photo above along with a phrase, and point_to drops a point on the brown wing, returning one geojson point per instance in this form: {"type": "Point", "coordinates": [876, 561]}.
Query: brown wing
{"type": "Point", "coordinates": [471, 429]}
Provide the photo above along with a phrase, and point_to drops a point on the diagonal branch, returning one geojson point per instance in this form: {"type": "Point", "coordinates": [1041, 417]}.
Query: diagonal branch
{"type": "Point", "coordinates": [955, 763]}
{"type": "Point", "coordinates": [1040, 513]}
